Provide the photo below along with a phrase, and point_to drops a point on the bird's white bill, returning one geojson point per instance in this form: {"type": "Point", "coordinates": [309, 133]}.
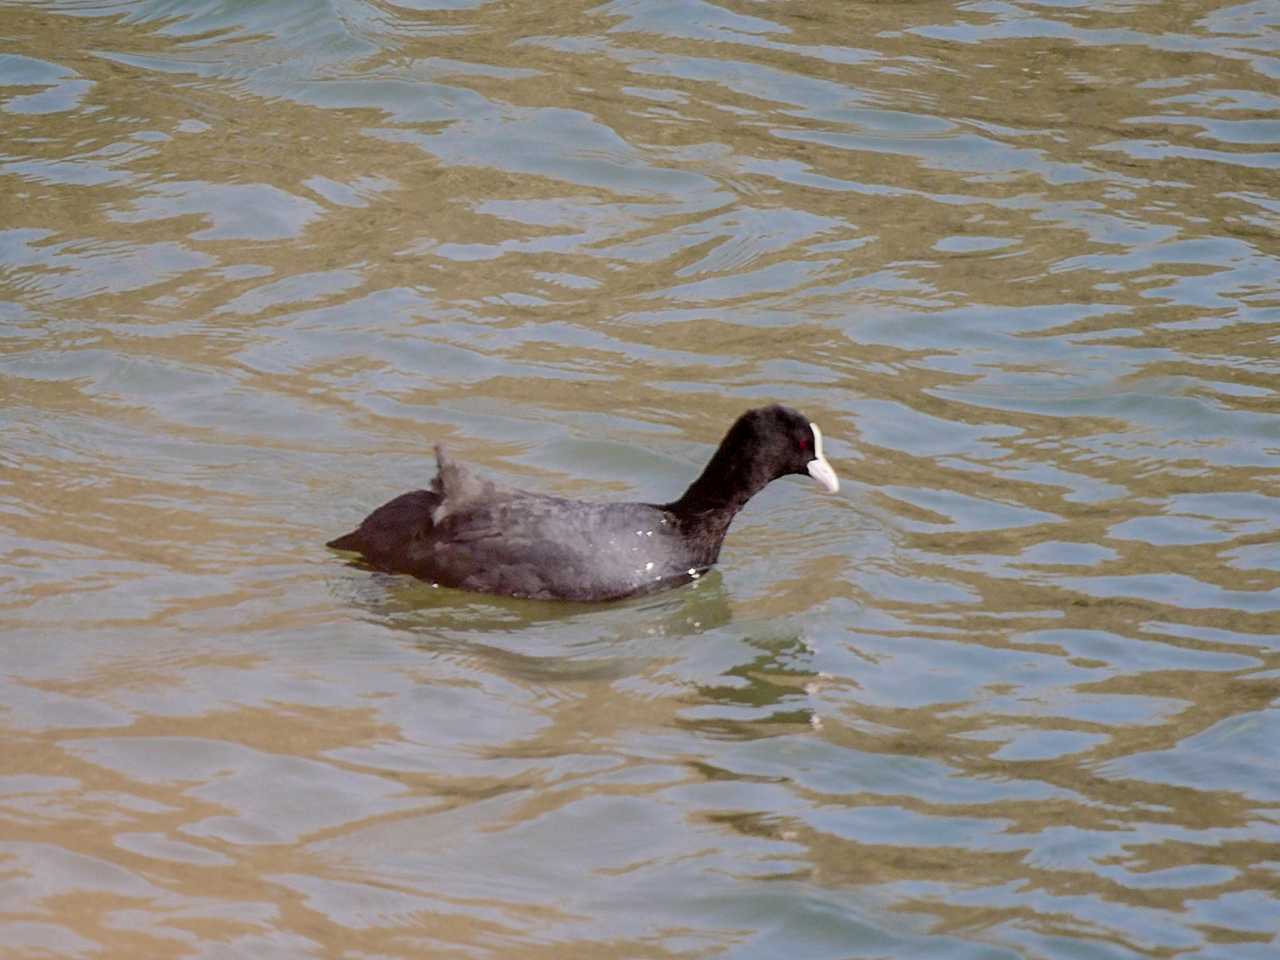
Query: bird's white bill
{"type": "Point", "coordinates": [818, 467]}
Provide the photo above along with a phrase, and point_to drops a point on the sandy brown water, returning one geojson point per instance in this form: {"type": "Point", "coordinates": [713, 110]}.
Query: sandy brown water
{"type": "Point", "coordinates": [1011, 694]}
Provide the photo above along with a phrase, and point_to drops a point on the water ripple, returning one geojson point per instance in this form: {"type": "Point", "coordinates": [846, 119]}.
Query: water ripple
{"type": "Point", "coordinates": [1012, 694]}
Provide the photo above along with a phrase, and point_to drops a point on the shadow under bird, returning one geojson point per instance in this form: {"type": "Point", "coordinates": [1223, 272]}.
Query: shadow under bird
{"type": "Point", "coordinates": [473, 534]}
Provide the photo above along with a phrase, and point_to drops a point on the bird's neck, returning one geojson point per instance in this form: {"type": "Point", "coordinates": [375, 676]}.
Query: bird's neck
{"type": "Point", "coordinates": [721, 490]}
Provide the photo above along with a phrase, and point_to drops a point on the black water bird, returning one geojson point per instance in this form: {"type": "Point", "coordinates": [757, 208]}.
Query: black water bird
{"type": "Point", "coordinates": [473, 534]}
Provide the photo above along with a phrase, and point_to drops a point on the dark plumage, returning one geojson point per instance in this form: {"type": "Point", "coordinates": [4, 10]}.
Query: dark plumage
{"type": "Point", "coordinates": [476, 535]}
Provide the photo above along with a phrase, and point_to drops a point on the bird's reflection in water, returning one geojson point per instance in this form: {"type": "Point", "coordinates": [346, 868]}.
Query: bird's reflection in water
{"type": "Point", "coordinates": [734, 677]}
{"type": "Point", "coordinates": [545, 640]}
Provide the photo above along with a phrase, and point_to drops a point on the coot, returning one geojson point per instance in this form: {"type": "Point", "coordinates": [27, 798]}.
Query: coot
{"type": "Point", "coordinates": [473, 534]}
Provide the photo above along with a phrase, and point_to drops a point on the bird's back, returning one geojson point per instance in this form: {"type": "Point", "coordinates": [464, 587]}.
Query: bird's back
{"type": "Point", "coordinates": [476, 535]}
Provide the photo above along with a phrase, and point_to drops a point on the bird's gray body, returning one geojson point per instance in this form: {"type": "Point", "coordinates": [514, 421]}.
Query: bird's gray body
{"type": "Point", "coordinates": [476, 535]}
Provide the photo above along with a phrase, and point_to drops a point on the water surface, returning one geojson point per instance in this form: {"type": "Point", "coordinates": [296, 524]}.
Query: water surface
{"type": "Point", "coordinates": [1011, 694]}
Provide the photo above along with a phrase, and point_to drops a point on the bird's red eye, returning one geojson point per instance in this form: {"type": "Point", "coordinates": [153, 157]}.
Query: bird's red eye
{"type": "Point", "coordinates": [804, 443]}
